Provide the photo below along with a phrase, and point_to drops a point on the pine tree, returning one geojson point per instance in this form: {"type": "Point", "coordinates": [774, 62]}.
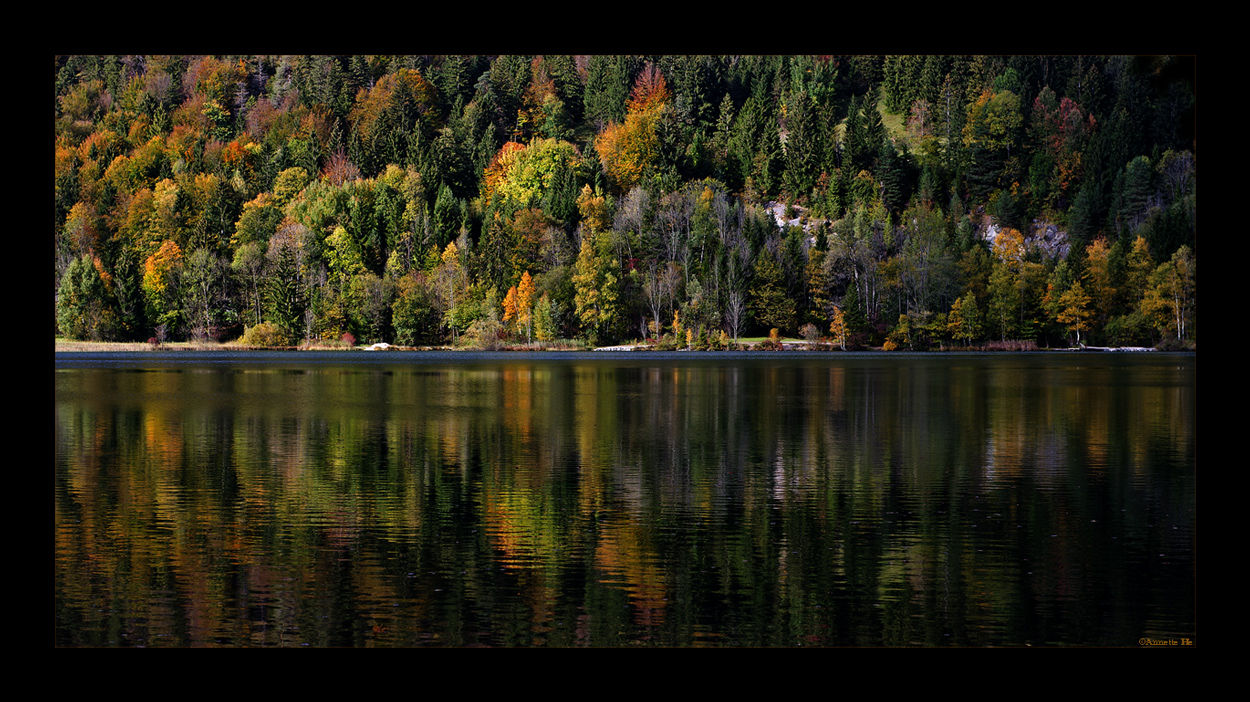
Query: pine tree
{"type": "Point", "coordinates": [770, 303]}
{"type": "Point", "coordinates": [803, 148]}
{"type": "Point", "coordinates": [852, 140]}
{"type": "Point", "coordinates": [873, 132]}
{"type": "Point", "coordinates": [856, 320]}
{"type": "Point", "coordinates": [818, 284]}
{"type": "Point", "coordinates": [285, 297]}
{"type": "Point", "coordinates": [893, 174]}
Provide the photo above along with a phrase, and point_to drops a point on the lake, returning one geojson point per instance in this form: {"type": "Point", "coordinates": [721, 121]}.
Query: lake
{"type": "Point", "coordinates": [395, 499]}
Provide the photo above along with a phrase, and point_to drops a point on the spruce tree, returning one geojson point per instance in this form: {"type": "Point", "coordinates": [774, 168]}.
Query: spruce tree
{"type": "Point", "coordinates": [803, 148]}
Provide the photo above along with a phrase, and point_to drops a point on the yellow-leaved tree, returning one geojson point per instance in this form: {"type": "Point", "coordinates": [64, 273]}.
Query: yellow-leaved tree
{"type": "Point", "coordinates": [838, 327]}
{"type": "Point", "coordinates": [594, 209]}
{"type": "Point", "coordinates": [964, 320]}
{"type": "Point", "coordinates": [1169, 298]}
{"type": "Point", "coordinates": [1098, 281]}
{"type": "Point", "coordinates": [158, 274]}
{"type": "Point", "coordinates": [1074, 312]}
{"type": "Point", "coordinates": [525, 305]}
{"type": "Point", "coordinates": [595, 283]}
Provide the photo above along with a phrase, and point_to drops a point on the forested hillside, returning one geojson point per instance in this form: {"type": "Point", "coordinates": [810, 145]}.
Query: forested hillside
{"type": "Point", "coordinates": [927, 201]}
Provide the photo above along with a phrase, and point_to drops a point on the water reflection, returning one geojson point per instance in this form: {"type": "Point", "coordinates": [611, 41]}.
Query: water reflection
{"type": "Point", "coordinates": [514, 501]}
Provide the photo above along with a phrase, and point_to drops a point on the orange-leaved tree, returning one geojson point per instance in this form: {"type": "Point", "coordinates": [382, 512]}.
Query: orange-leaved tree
{"type": "Point", "coordinates": [510, 308]}
{"type": "Point", "coordinates": [404, 98]}
{"type": "Point", "coordinates": [497, 170]}
{"type": "Point", "coordinates": [627, 151]}
{"type": "Point", "coordinates": [525, 305]}
{"type": "Point", "coordinates": [838, 327]}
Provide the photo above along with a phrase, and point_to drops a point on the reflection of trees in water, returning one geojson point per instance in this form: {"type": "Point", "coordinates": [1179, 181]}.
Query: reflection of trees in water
{"type": "Point", "coordinates": [790, 504]}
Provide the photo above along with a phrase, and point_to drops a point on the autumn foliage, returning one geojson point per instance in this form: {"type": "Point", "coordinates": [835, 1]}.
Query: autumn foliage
{"type": "Point", "coordinates": [627, 151]}
{"type": "Point", "coordinates": [439, 198]}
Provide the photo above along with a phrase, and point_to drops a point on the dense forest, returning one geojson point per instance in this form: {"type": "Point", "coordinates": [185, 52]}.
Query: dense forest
{"type": "Point", "coordinates": [912, 202]}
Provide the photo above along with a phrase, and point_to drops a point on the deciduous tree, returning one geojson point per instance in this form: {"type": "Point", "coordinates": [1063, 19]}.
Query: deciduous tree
{"type": "Point", "coordinates": [838, 327]}
{"type": "Point", "coordinates": [204, 292]}
{"type": "Point", "coordinates": [1074, 310]}
{"type": "Point", "coordinates": [597, 295]}
{"type": "Point", "coordinates": [1169, 298]}
{"type": "Point", "coordinates": [160, 286]}
{"type": "Point", "coordinates": [964, 320]}
{"type": "Point", "coordinates": [630, 150]}
{"type": "Point", "coordinates": [544, 319]}
{"type": "Point", "coordinates": [415, 313]}
{"type": "Point", "coordinates": [525, 305]}
{"type": "Point", "coordinates": [248, 266]}
{"type": "Point", "coordinates": [510, 308]}
{"type": "Point", "coordinates": [1098, 281]}
{"type": "Point", "coordinates": [83, 309]}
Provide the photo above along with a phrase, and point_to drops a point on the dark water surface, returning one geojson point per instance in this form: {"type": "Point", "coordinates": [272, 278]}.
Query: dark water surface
{"type": "Point", "coordinates": [394, 499]}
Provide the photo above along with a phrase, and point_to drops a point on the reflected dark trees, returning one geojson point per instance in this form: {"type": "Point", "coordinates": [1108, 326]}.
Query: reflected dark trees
{"type": "Point", "coordinates": [790, 501]}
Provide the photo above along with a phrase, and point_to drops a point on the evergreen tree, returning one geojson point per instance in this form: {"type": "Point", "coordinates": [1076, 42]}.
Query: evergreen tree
{"type": "Point", "coordinates": [608, 81]}
{"type": "Point", "coordinates": [895, 177]}
{"type": "Point", "coordinates": [803, 147]}
{"type": "Point", "coordinates": [874, 128]}
{"type": "Point", "coordinates": [285, 296]}
{"type": "Point", "coordinates": [771, 304]}
{"type": "Point", "coordinates": [853, 158]}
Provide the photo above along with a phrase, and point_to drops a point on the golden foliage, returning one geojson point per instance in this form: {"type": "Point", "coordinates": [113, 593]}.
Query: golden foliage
{"type": "Point", "coordinates": [1098, 276]}
{"type": "Point", "coordinates": [1074, 310]}
{"type": "Point", "coordinates": [1009, 247]}
{"type": "Point", "coordinates": [593, 207]}
{"type": "Point", "coordinates": [157, 267]}
{"type": "Point", "coordinates": [628, 150]}
{"type": "Point", "coordinates": [510, 305]}
{"type": "Point", "coordinates": [498, 168]}
{"type": "Point", "coordinates": [525, 304]}
{"type": "Point", "coordinates": [838, 327]}
{"type": "Point", "coordinates": [406, 87]}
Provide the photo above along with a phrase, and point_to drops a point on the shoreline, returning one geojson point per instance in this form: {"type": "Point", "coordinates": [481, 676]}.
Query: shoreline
{"type": "Point", "coordinates": [137, 347]}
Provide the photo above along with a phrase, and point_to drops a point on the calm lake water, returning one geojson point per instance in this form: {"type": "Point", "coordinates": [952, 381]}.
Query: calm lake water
{"type": "Point", "coordinates": [396, 499]}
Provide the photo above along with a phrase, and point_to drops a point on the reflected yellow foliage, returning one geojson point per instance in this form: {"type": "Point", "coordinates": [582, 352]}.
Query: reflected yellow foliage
{"type": "Point", "coordinates": [358, 507]}
{"type": "Point", "coordinates": [627, 560]}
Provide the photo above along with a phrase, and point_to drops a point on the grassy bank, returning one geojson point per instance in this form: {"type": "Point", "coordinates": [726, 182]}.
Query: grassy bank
{"type": "Point", "coordinates": [69, 346]}
{"type": "Point", "coordinates": [72, 346]}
